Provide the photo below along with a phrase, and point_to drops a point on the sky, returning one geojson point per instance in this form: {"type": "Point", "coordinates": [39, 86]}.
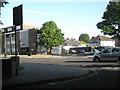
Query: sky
{"type": "Point", "coordinates": [73, 17]}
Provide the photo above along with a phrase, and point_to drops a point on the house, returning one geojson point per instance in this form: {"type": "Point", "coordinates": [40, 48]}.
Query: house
{"type": "Point", "coordinates": [117, 41]}
{"type": "Point", "coordinates": [71, 44]}
{"type": "Point", "coordinates": [101, 41]}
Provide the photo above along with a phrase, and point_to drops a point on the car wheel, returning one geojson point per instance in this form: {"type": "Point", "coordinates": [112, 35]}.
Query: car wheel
{"type": "Point", "coordinates": [96, 59]}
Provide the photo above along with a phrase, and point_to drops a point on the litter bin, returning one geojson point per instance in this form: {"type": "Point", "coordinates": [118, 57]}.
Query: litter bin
{"type": "Point", "coordinates": [10, 67]}
{"type": "Point", "coordinates": [17, 65]}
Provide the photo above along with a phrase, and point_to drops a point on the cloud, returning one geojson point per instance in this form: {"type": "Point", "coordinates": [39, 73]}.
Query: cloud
{"type": "Point", "coordinates": [43, 13]}
{"type": "Point", "coordinates": [59, 0]}
{"type": "Point", "coordinates": [36, 12]}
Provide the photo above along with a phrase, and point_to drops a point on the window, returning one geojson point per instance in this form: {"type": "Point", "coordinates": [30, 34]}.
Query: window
{"type": "Point", "coordinates": [13, 35]}
{"type": "Point", "coordinates": [13, 42]}
{"type": "Point", "coordinates": [8, 35]}
{"type": "Point", "coordinates": [9, 29]}
{"type": "Point", "coordinates": [115, 50]}
{"type": "Point", "coordinates": [3, 30]}
{"type": "Point", "coordinates": [107, 50]}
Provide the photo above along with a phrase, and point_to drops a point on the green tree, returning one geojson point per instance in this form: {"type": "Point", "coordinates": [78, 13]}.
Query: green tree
{"type": "Point", "coordinates": [84, 37]}
{"type": "Point", "coordinates": [2, 3]}
{"type": "Point", "coordinates": [110, 25]}
{"type": "Point", "coordinates": [51, 36]}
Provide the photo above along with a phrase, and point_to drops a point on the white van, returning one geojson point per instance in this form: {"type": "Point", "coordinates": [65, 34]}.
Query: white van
{"type": "Point", "coordinates": [108, 54]}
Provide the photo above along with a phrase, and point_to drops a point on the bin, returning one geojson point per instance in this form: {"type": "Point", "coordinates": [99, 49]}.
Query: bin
{"type": "Point", "coordinates": [10, 67]}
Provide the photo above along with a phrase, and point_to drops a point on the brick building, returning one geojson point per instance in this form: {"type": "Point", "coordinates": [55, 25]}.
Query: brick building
{"type": "Point", "coordinates": [26, 40]}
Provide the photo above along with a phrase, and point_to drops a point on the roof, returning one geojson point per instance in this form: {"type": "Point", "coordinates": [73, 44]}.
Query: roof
{"type": "Point", "coordinates": [103, 38]}
{"type": "Point", "coordinates": [72, 43]}
{"type": "Point", "coordinates": [29, 27]}
{"type": "Point", "coordinates": [100, 38]}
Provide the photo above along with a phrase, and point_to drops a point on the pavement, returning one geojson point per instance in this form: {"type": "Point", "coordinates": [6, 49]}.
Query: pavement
{"type": "Point", "coordinates": [31, 73]}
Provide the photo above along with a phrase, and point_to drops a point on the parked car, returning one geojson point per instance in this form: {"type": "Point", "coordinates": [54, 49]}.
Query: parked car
{"type": "Point", "coordinates": [108, 54]}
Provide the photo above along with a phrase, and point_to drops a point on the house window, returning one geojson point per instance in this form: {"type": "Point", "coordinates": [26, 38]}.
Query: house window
{"type": "Point", "coordinates": [8, 50]}
{"type": "Point", "coordinates": [9, 29]}
{"type": "Point", "coordinates": [13, 50]}
{"type": "Point", "coordinates": [3, 30]}
{"type": "Point", "coordinates": [8, 43]}
{"type": "Point", "coordinates": [13, 42]}
{"type": "Point", "coordinates": [7, 35]}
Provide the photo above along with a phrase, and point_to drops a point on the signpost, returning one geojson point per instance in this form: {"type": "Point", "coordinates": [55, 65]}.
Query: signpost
{"type": "Point", "coordinates": [17, 21]}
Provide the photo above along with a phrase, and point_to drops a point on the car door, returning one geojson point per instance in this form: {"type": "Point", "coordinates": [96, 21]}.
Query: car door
{"type": "Point", "coordinates": [106, 55]}
{"type": "Point", "coordinates": [115, 54]}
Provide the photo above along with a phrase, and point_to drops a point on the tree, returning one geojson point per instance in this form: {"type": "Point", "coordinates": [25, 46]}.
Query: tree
{"type": "Point", "coordinates": [2, 3]}
{"type": "Point", "coordinates": [51, 36]}
{"type": "Point", "coordinates": [84, 37]}
{"type": "Point", "coordinates": [111, 20]}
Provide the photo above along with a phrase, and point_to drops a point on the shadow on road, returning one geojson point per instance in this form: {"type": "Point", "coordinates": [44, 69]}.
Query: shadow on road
{"type": "Point", "coordinates": [79, 61]}
{"type": "Point", "coordinates": [102, 66]}
{"type": "Point", "coordinates": [92, 61]}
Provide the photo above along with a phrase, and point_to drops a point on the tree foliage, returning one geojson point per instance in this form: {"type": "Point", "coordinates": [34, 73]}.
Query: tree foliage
{"type": "Point", "coordinates": [51, 36]}
{"type": "Point", "coordinates": [111, 20]}
{"type": "Point", "coordinates": [3, 2]}
{"type": "Point", "coordinates": [84, 37]}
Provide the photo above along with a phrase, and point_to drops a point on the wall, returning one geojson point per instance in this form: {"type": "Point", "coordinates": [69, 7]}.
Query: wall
{"type": "Point", "coordinates": [32, 41]}
{"type": "Point", "coordinates": [24, 38]}
{"type": "Point", "coordinates": [108, 43]}
{"type": "Point", "coordinates": [56, 50]}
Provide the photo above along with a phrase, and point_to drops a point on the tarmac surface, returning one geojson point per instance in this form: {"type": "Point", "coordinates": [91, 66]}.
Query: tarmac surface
{"type": "Point", "coordinates": [38, 73]}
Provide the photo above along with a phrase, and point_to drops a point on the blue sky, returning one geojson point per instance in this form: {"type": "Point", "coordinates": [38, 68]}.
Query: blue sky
{"type": "Point", "coordinates": [73, 18]}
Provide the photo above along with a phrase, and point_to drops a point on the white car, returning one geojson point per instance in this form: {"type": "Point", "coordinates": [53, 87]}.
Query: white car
{"type": "Point", "coordinates": [108, 54]}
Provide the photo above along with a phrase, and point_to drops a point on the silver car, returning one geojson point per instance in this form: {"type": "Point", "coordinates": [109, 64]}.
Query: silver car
{"type": "Point", "coordinates": [108, 54]}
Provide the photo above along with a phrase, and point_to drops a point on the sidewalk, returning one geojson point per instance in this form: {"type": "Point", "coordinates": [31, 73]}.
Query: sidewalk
{"type": "Point", "coordinates": [36, 72]}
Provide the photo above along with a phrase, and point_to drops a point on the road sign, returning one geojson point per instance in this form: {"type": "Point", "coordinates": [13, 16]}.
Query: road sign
{"type": "Point", "coordinates": [17, 15]}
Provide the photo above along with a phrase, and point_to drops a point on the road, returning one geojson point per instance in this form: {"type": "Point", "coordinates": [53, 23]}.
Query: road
{"type": "Point", "coordinates": [106, 74]}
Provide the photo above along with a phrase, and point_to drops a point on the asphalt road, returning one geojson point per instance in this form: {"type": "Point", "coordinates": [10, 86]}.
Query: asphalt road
{"type": "Point", "coordinates": [102, 79]}
{"type": "Point", "coordinates": [106, 74]}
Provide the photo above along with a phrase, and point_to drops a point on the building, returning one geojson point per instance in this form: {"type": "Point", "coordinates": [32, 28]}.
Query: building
{"type": "Point", "coordinates": [26, 40]}
{"type": "Point", "coordinates": [71, 44]}
{"type": "Point", "coordinates": [117, 42]}
{"type": "Point", "coordinates": [101, 41]}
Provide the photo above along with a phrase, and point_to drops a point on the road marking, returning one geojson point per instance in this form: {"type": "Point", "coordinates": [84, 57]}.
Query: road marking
{"type": "Point", "coordinates": [57, 82]}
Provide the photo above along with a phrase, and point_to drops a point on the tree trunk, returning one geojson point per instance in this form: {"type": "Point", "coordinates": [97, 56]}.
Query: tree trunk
{"type": "Point", "coordinates": [49, 50]}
